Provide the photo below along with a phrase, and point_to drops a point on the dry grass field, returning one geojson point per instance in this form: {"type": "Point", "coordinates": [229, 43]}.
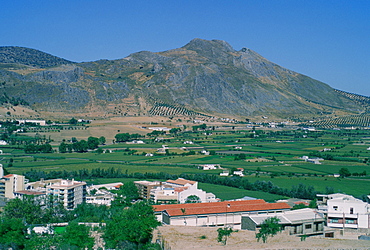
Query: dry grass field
{"type": "Point", "coordinates": [181, 237]}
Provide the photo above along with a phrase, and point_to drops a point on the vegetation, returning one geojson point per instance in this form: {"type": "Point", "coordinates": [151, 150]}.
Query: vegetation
{"type": "Point", "coordinates": [128, 226]}
{"type": "Point", "coordinates": [269, 228]}
{"type": "Point", "coordinates": [223, 234]}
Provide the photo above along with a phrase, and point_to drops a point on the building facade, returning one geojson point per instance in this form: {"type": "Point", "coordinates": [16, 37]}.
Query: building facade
{"type": "Point", "coordinates": [11, 183]}
{"type": "Point", "coordinates": [226, 213]}
{"type": "Point", "coordinates": [297, 222]}
{"type": "Point", "coordinates": [348, 212]}
{"type": "Point", "coordinates": [69, 192]}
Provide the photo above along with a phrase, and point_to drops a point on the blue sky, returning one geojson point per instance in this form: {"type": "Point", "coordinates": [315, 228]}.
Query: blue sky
{"type": "Point", "coordinates": [326, 40]}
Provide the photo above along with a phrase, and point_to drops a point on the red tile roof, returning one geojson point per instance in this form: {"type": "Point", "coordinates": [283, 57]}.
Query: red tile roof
{"type": "Point", "coordinates": [219, 207]}
{"type": "Point", "coordinates": [7, 176]}
{"type": "Point", "coordinates": [181, 181]}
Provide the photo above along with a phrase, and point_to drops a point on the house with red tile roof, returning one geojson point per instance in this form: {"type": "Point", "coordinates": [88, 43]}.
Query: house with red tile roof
{"type": "Point", "coordinates": [226, 213]}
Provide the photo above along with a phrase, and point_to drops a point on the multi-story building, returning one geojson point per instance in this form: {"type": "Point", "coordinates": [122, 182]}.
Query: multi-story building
{"type": "Point", "coordinates": [69, 192]}
{"type": "Point", "coordinates": [345, 211]}
{"type": "Point", "coordinates": [173, 191]}
{"type": "Point", "coordinates": [144, 188]}
{"type": "Point", "coordinates": [11, 183]}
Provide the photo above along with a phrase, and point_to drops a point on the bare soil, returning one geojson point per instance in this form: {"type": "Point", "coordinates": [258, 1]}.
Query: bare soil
{"type": "Point", "coordinates": [181, 237]}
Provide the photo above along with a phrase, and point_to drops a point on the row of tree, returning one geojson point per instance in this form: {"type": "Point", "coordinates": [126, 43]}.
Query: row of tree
{"type": "Point", "coordinates": [82, 145]}
{"type": "Point", "coordinates": [298, 191]}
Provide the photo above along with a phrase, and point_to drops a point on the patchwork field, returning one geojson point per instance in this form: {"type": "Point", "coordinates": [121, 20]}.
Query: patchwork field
{"type": "Point", "coordinates": [273, 155]}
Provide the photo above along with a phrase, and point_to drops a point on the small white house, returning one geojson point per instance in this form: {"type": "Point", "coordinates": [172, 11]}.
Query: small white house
{"type": "Point", "coordinates": [224, 173]}
{"type": "Point", "coordinates": [205, 152]}
{"type": "Point", "coordinates": [240, 173]}
{"type": "Point", "coordinates": [209, 166]}
{"type": "Point", "coordinates": [3, 143]}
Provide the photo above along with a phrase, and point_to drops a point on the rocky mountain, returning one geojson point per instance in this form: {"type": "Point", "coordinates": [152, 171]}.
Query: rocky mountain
{"type": "Point", "coordinates": [201, 78]}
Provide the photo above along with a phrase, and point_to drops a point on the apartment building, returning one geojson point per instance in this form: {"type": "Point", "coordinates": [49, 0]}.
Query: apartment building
{"type": "Point", "coordinates": [69, 192]}
{"type": "Point", "coordinates": [11, 183]}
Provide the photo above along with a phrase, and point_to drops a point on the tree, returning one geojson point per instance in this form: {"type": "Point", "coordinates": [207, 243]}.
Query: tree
{"type": "Point", "coordinates": [80, 146]}
{"type": "Point", "coordinates": [223, 233]}
{"type": "Point", "coordinates": [131, 227]}
{"type": "Point", "coordinates": [269, 228]}
{"type": "Point", "coordinates": [122, 137]}
{"type": "Point", "coordinates": [77, 236]}
{"type": "Point", "coordinates": [92, 142]}
{"type": "Point", "coordinates": [175, 130]}
{"type": "Point", "coordinates": [102, 140]}
{"type": "Point", "coordinates": [12, 233]}
{"type": "Point", "coordinates": [73, 121]}
{"type": "Point", "coordinates": [193, 199]}
{"type": "Point", "coordinates": [126, 194]}
{"type": "Point", "coordinates": [28, 210]}
{"type": "Point", "coordinates": [62, 148]}
{"type": "Point", "coordinates": [344, 172]}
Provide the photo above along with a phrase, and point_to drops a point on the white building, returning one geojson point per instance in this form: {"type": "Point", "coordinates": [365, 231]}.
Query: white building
{"type": "Point", "coordinates": [226, 213]}
{"type": "Point", "coordinates": [69, 192]}
{"type": "Point", "coordinates": [210, 166]}
{"type": "Point", "coordinates": [297, 222]}
{"type": "Point", "coordinates": [240, 173]}
{"type": "Point", "coordinates": [37, 122]}
{"type": "Point", "coordinates": [179, 191]}
{"type": "Point", "coordinates": [225, 173]}
{"type": "Point", "coordinates": [348, 212]}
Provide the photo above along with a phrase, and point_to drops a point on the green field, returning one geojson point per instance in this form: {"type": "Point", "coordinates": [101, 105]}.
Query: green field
{"type": "Point", "coordinates": [267, 155]}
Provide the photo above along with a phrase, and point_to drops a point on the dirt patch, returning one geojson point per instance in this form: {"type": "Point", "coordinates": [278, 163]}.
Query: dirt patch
{"type": "Point", "coordinates": [181, 237]}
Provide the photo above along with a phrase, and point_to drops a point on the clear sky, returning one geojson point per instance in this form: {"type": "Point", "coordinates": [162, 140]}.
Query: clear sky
{"type": "Point", "coordinates": [328, 40]}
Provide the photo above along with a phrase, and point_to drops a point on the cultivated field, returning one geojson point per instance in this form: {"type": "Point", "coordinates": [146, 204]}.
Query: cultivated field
{"type": "Point", "coordinates": [266, 155]}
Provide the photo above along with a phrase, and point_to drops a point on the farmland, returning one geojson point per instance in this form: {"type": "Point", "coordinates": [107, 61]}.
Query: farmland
{"type": "Point", "coordinates": [265, 155]}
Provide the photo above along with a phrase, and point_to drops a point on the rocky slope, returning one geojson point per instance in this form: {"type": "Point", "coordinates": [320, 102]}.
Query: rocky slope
{"type": "Point", "coordinates": [202, 77]}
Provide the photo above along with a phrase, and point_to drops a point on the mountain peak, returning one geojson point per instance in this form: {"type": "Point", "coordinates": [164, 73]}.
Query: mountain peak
{"type": "Point", "coordinates": [201, 44]}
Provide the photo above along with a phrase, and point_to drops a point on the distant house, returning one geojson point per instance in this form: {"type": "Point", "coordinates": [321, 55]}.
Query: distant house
{"type": "Point", "coordinates": [238, 147]}
{"type": "Point", "coordinates": [159, 128]}
{"type": "Point", "coordinates": [37, 122]}
{"type": "Point", "coordinates": [209, 166]}
{"type": "Point", "coordinates": [136, 142]}
{"type": "Point", "coordinates": [188, 142]}
{"type": "Point", "coordinates": [312, 160]}
{"type": "Point", "coordinates": [205, 152]}
{"type": "Point", "coordinates": [149, 154]}
{"type": "Point", "coordinates": [240, 173]}
{"type": "Point", "coordinates": [224, 173]}
{"type": "Point", "coordinates": [3, 143]}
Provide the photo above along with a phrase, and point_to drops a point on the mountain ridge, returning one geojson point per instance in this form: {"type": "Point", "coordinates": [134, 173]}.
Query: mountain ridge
{"type": "Point", "coordinates": [202, 77]}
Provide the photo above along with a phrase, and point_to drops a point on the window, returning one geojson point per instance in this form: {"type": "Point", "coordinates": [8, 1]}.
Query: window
{"type": "Point", "coordinates": [335, 208]}
{"type": "Point", "coordinates": [334, 220]}
{"type": "Point", "coordinates": [351, 221]}
{"type": "Point", "coordinates": [351, 210]}
{"type": "Point", "coordinates": [308, 226]}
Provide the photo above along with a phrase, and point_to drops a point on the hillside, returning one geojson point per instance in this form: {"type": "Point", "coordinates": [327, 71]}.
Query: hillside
{"type": "Point", "coordinates": [29, 57]}
{"type": "Point", "coordinates": [202, 78]}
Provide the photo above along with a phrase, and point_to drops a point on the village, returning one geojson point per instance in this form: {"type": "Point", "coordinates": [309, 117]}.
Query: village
{"type": "Point", "coordinates": [180, 203]}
